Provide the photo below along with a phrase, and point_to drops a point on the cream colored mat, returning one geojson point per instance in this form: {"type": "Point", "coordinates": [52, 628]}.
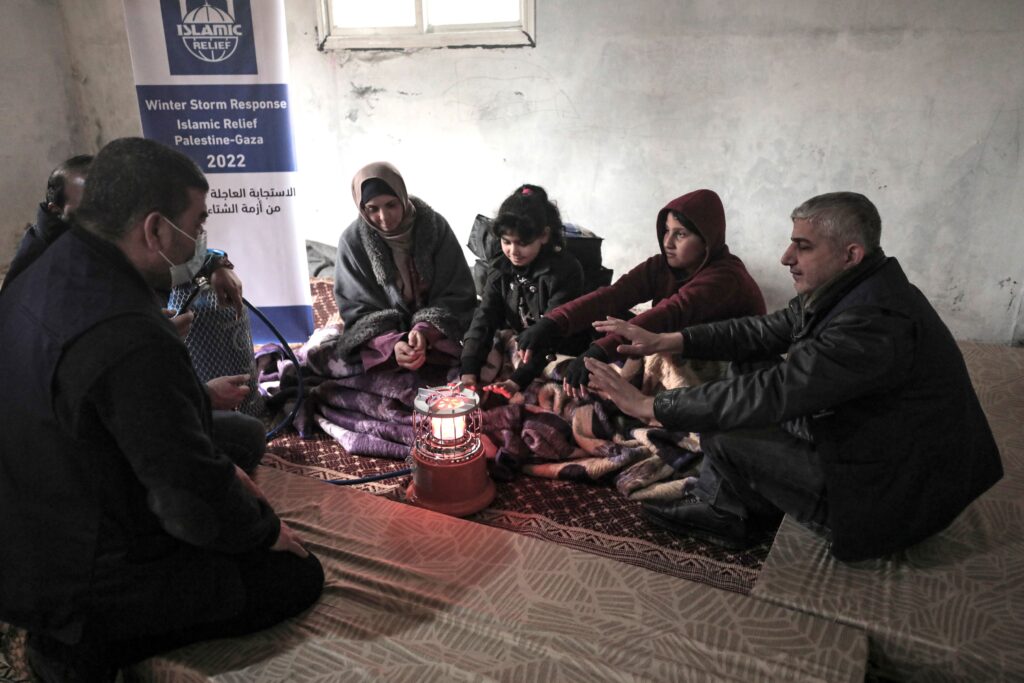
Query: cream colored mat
{"type": "Point", "coordinates": [952, 607]}
{"type": "Point", "coordinates": [415, 596]}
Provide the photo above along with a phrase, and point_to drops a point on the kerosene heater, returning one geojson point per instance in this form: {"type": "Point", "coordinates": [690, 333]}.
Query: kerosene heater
{"type": "Point", "coordinates": [449, 464]}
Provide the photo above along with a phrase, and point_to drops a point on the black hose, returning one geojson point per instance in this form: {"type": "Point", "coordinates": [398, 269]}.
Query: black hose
{"type": "Point", "coordinates": [298, 402]}
{"type": "Point", "coordinates": [372, 477]}
{"type": "Point", "coordinates": [272, 434]}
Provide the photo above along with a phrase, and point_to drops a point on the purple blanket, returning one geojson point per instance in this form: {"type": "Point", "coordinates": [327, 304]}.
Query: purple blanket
{"type": "Point", "coordinates": [540, 432]}
{"type": "Point", "coordinates": [369, 410]}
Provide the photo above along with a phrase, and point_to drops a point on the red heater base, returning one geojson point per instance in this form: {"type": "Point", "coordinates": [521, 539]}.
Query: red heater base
{"type": "Point", "coordinates": [457, 488]}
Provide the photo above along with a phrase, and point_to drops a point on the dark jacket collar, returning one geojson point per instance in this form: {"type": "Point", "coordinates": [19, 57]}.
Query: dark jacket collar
{"type": "Point", "coordinates": [110, 253]}
{"type": "Point", "coordinates": [49, 226]}
{"type": "Point", "coordinates": [813, 305]}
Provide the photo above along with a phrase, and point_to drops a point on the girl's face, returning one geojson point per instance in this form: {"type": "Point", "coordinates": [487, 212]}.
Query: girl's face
{"type": "Point", "coordinates": [385, 212]}
{"type": "Point", "coordinates": [683, 249]}
{"type": "Point", "coordinates": [522, 253]}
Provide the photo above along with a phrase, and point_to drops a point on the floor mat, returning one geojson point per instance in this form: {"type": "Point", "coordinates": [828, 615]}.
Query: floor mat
{"type": "Point", "coordinates": [594, 519]}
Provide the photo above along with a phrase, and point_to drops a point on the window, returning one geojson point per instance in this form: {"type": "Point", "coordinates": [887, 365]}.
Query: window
{"type": "Point", "coordinates": [397, 24]}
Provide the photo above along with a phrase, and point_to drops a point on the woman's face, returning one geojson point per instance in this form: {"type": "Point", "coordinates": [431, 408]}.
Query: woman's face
{"type": "Point", "coordinates": [385, 213]}
{"type": "Point", "coordinates": [683, 249]}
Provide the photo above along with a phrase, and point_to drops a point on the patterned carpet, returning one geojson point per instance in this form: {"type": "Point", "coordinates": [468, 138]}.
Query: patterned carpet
{"type": "Point", "coordinates": [595, 519]}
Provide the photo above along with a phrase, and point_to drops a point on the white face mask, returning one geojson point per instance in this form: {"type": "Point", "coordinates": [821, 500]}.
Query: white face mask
{"type": "Point", "coordinates": [184, 272]}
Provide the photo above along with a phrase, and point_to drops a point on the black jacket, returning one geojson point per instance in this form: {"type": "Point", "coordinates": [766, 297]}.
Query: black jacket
{"type": "Point", "coordinates": [515, 298]}
{"type": "Point", "coordinates": [112, 494]}
{"type": "Point", "coordinates": [880, 386]}
{"type": "Point", "coordinates": [48, 227]}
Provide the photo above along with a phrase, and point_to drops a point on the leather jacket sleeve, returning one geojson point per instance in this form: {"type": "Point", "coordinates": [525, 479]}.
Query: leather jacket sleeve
{"type": "Point", "coordinates": [741, 339]}
{"type": "Point", "coordinates": [860, 351]}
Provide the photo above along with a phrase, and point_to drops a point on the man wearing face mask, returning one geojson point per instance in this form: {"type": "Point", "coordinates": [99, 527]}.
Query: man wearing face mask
{"type": "Point", "coordinates": [64, 190]}
{"type": "Point", "coordinates": [127, 532]}
{"type": "Point", "coordinates": [241, 436]}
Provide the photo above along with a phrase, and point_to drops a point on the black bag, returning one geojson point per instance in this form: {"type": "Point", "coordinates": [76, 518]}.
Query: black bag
{"type": "Point", "coordinates": [320, 258]}
{"type": "Point", "coordinates": [580, 242]}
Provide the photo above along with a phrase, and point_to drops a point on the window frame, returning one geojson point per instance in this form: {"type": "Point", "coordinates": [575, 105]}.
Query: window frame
{"type": "Point", "coordinates": [330, 37]}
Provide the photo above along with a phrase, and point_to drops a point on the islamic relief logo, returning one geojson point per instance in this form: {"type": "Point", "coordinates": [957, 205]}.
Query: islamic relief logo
{"type": "Point", "coordinates": [210, 33]}
{"type": "Point", "coordinates": [208, 37]}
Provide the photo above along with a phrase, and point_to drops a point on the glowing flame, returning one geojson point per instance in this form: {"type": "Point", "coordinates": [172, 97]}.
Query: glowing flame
{"type": "Point", "coordinates": [440, 403]}
{"type": "Point", "coordinates": [443, 402]}
{"type": "Point", "coordinates": [448, 428]}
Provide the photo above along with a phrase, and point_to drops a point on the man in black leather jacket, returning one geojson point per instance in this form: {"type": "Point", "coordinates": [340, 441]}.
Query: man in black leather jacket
{"type": "Point", "coordinates": [868, 430]}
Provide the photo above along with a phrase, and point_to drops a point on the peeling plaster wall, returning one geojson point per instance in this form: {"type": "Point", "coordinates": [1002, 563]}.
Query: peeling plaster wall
{"type": "Point", "coordinates": [622, 106]}
{"type": "Point", "coordinates": [38, 128]}
{"type": "Point", "coordinates": [66, 89]}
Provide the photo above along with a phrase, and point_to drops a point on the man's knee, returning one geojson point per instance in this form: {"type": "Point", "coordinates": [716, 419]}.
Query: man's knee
{"type": "Point", "coordinates": [751, 450]}
{"type": "Point", "coordinates": [721, 447]}
{"type": "Point", "coordinates": [310, 579]}
{"type": "Point", "coordinates": [243, 438]}
{"type": "Point", "coordinates": [281, 584]}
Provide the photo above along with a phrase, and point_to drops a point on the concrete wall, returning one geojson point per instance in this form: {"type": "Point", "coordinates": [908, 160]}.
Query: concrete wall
{"type": "Point", "coordinates": [624, 105]}
{"type": "Point", "coordinates": [36, 89]}
{"type": "Point", "coordinates": [65, 89]}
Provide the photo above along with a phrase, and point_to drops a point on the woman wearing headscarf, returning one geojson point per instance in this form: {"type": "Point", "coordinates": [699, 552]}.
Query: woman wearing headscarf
{"type": "Point", "coordinates": [401, 281]}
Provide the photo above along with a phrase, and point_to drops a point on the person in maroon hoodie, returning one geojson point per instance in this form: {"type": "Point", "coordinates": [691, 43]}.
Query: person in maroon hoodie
{"type": "Point", "coordinates": [693, 279]}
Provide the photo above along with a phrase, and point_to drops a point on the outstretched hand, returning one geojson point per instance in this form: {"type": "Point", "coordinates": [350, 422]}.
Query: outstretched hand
{"type": "Point", "coordinates": [506, 388]}
{"type": "Point", "coordinates": [607, 383]}
{"type": "Point", "coordinates": [536, 339]}
{"type": "Point", "coordinates": [287, 540]}
{"type": "Point", "coordinates": [643, 343]}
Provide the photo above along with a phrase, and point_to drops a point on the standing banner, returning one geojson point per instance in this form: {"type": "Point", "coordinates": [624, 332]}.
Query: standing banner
{"type": "Point", "coordinates": [212, 82]}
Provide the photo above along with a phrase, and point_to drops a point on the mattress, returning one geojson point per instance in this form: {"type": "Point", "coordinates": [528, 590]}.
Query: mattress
{"type": "Point", "coordinates": [415, 595]}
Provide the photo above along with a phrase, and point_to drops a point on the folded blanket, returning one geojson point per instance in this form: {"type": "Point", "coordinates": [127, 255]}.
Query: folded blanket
{"type": "Point", "coordinates": [646, 462]}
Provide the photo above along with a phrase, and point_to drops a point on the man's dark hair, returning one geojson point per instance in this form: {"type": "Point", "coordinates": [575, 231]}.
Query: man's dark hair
{"type": "Point", "coordinates": [129, 178]}
{"type": "Point", "coordinates": [76, 165]}
{"type": "Point", "coordinates": [843, 218]}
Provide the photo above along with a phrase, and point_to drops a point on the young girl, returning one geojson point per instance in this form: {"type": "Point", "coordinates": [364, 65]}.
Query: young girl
{"type": "Point", "coordinates": [692, 279]}
{"type": "Point", "coordinates": [532, 275]}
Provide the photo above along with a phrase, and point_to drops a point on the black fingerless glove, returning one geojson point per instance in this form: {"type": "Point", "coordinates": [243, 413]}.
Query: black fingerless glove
{"type": "Point", "coordinates": [576, 374]}
{"type": "Point", "coordinates": [539, 337]}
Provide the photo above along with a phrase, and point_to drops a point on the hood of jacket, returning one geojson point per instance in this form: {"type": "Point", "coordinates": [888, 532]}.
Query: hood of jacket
{"type": "Point", "coordinates": [704, 209]}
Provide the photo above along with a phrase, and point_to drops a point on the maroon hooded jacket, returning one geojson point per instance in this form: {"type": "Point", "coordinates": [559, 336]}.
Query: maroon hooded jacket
{"type": "Point", "coordinates": [718, 289]}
